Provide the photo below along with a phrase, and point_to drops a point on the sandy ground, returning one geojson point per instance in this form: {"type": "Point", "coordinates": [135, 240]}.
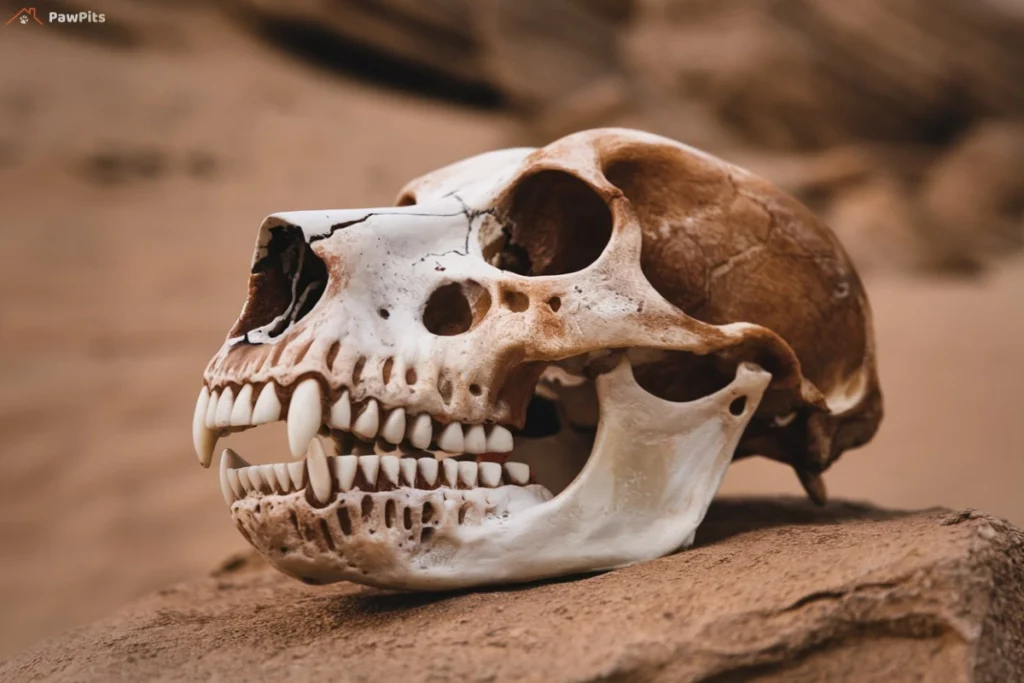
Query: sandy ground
{"type": "Point", "coordinates": [132, 184]}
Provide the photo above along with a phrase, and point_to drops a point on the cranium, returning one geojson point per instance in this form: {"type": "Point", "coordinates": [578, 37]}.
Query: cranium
{"type": "Point", "coordinates": [616, 315]}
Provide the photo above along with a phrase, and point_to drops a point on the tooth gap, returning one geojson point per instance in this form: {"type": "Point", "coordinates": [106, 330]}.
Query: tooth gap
{"type": "Point", "coordinates": [386, 370]}
{"type": "Point", "coordinates": [366, 507]}
{"type": "Point", "coordinates": [390, 513]}
{"type": "Point", "coordinates": [407, 518]}
{"type": "Point", "coordinates": [357, 370]}
{"type": "Point", "coordinates": [474, 389]}
{"type": "Point", "coordinates": [444, 387]}
{"type": "Point", "coordinates": [428, 512]}
{"type": "Point", "coordinates": [332, 353]}
{"type": "Point", "coordinates": [738, 406]}
{"type": "Point", "coordinates": [410, 377]}
{"type": "Point", "coordinates": [328, 539]}
{"type": "Point", "coordinates": [554, 303]}
{"type": "Point", "coordinates": [345, 520]}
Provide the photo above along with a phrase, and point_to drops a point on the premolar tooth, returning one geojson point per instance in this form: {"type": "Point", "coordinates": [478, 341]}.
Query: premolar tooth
{"type": "Point", "coordinates": [270, 478]}
{"type": "Point", "coordinates": [451, 439]}
{"type": "Point", "coordinates": [341, 412]}
{"type": "Point", "coordinates": [241, 413]}
{"type": "Point", "coordinates": [211, 409]}
{"type": "Point", "coordinates": [451, 472]}
{"type": "Point", "coordinates": [368, 421]}
{"type": "Point", "coordinates": [476, 440]}
{"type": "Point", "coordinates": [204, 439]}
{"type": "Point", "coordinates": [408, 467]}
{"type": "Point", "coordinates": [428, 470]}
{"type": "Point", "coordinates": [518, 473]}
{"type": "Point", "coordinates": [268, 406]}
{"type": "Point", "coordinates": [394, 426]}
{"type": "Point", "coordinates": [345, 467]}
{"type": "Point", "coordinates": [243, 479]}
{"type": "Point", "coordinates": [421, 431]}
{"type": "Point", "coordinates": [389, 466]}
{"type": "Point", "coordinates": [297, 473]}
{"type": "Point", "coordinates": [222, 416]}
{"type": "Point", "coordinates": [229, 460]}
{"type": "Point", "coordinates": [370, 465]}
{"type": "Point", "coordinates": [468, 474]}
{"type": "Point", "coordinates": [304, 417]}
{"type": "Point", "coordinates": [490, 474]}
{"type": "Point", "coordinates": [255, 478]}
{"type": "Point", "coordinates": [319, 472]}
{"type": "Point", "coordinates": [236, 486]}
{"type": "Point", "coordinates": [284, 480]}
{"type": "Point", "coordinates": [499, 440]}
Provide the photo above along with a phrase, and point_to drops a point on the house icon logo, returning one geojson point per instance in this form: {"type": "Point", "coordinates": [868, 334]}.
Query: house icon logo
{"type": "Point", "coordinates": [25, 15]}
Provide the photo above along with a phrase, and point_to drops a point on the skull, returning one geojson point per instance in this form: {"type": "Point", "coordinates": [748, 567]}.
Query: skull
{"type": "Point", "coordinates": [539, 362]}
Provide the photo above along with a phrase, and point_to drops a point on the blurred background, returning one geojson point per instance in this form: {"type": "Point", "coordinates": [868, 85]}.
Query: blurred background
{"type": "Point", "coordinates": [138, 157]}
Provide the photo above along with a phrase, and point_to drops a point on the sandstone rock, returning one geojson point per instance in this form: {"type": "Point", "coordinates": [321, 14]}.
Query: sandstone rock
{"type": "Point", "coordinates": [773, 591]}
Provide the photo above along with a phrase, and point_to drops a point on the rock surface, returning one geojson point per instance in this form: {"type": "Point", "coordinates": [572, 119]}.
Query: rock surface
{"type": "Point", "coordinates": [773, 591]}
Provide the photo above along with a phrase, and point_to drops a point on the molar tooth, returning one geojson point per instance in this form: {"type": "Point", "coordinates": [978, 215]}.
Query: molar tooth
{"type": "Point", "coordinates": [518, 473]}
{"type": "Point", "coordinates": [229, 460]}
{"type": "Point", "coordinates": [268, 406]}
{"type": "Point", "coordinates": [408, 467]}
{"type": "Point", "coordinates": [341, 412]}
{"type": "Point", "coordinates": [451, 440]}
{"type": "Point", "coordinates": [428, 470]}
{"type": "Point", "coordinates": [476, 439]}
{"type": "Point", "coordinates": [211, 409]}
{"type": "Point", "coordinates": [370, 465]}
{"type": "Point", "coordinates": [490, 474]}
{"type": "Point", "coordinates": [297, 473]}
{"type": "Point", "coordinates": [389, 466]}
{"type": "Point", "coordinates": [204, 439]}
{"type": "Point", "coordinates": [468, 474]}
{"type": "Point", "coordinates": [284, 481]}
{"type": "Point", "coordinates": [394, 426]}
{"type": "Point", "coordinates": [345, 467]}
{"type": "Point", "coordinates": [451, 472]}
{"type": "Point", "coordinates": [241, 413]}
{"type": "Point", "coordinates": [319, 471]}
{"type": "Point", "coordinates": [222, 416]}
{"type": "Point", "coordinates": [499, 440]}
{"type": "Point", "coordinates": [304, 417]}
{"type": "Point", "coordinates": [421, 431]}
{"type": "Point", "coordinates": [368, 421]}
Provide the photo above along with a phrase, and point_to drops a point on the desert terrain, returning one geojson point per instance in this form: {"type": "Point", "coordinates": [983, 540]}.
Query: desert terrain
{"type": "Point", "coordinates": [135, 167]}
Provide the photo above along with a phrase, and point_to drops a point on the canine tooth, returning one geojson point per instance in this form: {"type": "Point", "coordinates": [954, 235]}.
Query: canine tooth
{"type": "Point", "coordinates": [241, 413]}
{"type": "Point", "coordinates": [421, 431]}
{"type": "Point", "coordinates": [370, 465]}
{"type": "Point", "coordinates": [297, 473]}
{"type": "Point", "coordinates": [341, 412]}
{"type": "Point", "coordinates": [451, 439]}
{"type": "Point", "coordinates": [270, 477]}
{"type": "Point", "coordinates": [304, 417]}
{"type": "Point", "coordinates": [499, 440]}
{"type": "Point", "coordinates": [284, 481]}
{"type": "Point", "coordinates": [204, 439]}
{"type": "Point", "coordinates": [428, 470]}
{"type": "Point", "coordinates": [389, 466]}
{"type": "Point", "coordinates": [518, 473]}
{"type": "Point", "coordinates": [243, 479]}
{"type": "Point", "coordinates": [268, 406]}
{"type": "Point", "coordinates": [211, 410]}
{"type": "Point", "coordinates": [408, 467]}
{"type": "Point", "coordinates": [319, 472]}
{"type": "Point", "coordinates": [468, 474]}
{"type": "Point", "coordinates": [476, 440]}
{"type": "Point", "coordinates": [222, 416]}
{"type": "Point", "coordinates": [451, 472]}
{"type": "Point", "coordinates": [345, 467]}
{"type": "Point", "coordinates": [236, 486]}
{"type": "Point", "coordinates": [368, 421]}
{"type": "Point", "coordinates": [229, 460]}
{"type": "Point", "coordinates": [490, 474]}
{"type": "Point", "coordinates": [394, 426]}
{"type": "Point", "coordinates": [255, 478]}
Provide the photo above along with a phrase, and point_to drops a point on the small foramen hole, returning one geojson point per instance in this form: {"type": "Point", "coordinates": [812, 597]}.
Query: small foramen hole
{"type": "Point", "coordinates": [390, 514]}
{"type": "Point", "coordinates": [384, 313]}
{"type": "Point", "coordinates": [515, 301]}
{"type": "Point", "coordinates": [456, 308]}
{"type": "Point", "coordinates": [428, 512]}
{"type": "Point", "coordinates": [475, 389]}
{"type": "Point", "coordinates": [554, 303]}
{"type": "Point", "coordinates": [389, 364]}
{"type": "Point", "coordinates": [410, 377]}
{"type": "Point", "coordinates": [738, 406]}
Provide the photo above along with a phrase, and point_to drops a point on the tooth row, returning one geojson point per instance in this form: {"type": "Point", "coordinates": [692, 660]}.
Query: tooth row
{"type": "Point", "coordinates": [221, 409]}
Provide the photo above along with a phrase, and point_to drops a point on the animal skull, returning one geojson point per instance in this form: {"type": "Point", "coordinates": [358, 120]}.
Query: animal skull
{"type": "Point", "coordinates": [647, 309]}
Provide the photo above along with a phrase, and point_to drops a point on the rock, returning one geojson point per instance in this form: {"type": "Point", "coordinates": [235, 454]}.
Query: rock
{"type": "Point", "coordinates": [773, 591]}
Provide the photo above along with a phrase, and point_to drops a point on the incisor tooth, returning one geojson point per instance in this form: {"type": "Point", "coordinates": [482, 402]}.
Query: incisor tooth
{"type": "Point", "coordinates": [421, 431]}
{"type": "Point", "coordinates": [284, 480]}
{"type": "Point", "coordinates": [368, 421]}
{"type": "Point", "coordinates": [389, 466]}
{"type": "Point", "coordinates": [518, 473]}
{"type": "Point", "coordinates": [222, 417]}
{"type": "Point", "coordinates": [451, 439]}
{"type": "Point", "coordinates": [236, 486]}
{"type": "Point", "coordinates": [241, 413]}
{"type": "Point", "coordinates": [408, 467]}
{"type": "Point", "coordinates": [370, 465]}
{"type": "Point", "coordinates": [490, 474]}
{"type": "Point", "coordinates": [428, 470]}
{"type": "Point", "coordinates": [319, 472]}
{"type": "Point", "coordinates": [268, 406]}
{"type": "Point", "coordinates": [476, 439]}
{"type": "Point", "coordinates": [468, 474]}
{"type": "Point", "coordinates": [211, 410]}
{"type": "Point", "coordinates": [297, 473]}
{"type": "Point", "coordinates": [345, 467]}
{"type": "Point", "coordinates": [499, 440]}
{"type": "Point", "coordinates": [451, 472]}
{"type": "Point", "coordinates": [394, 426]}
{"type": "Point", "coordinates": [229, 460]}
{"type": "Point", "coordinates": [204, 439]}
{"type": "Point", "coordinates": [341, 412]}
{"type": "Point", "coordinates": [304, 417]}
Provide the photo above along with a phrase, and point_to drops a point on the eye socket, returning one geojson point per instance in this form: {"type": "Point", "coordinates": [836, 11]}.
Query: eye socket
{"type": "Point", "coordinates": [456, 308]}
{"type": "Point", "coordinates": [552, 223]}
